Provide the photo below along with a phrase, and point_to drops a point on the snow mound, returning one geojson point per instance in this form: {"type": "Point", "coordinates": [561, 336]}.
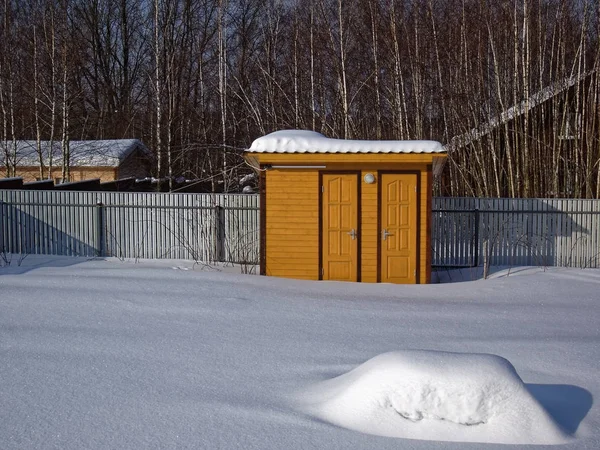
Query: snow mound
{"type": "Point", "coordinates": [431, 395]}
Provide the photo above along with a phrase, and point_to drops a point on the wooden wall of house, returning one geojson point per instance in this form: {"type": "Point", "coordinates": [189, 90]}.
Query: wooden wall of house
{"type": "Point", "coordinates": [292, 223]}
{"type": "Point", "coordinates": [77, 173]}
{"type": "Point", "coordinates": [292, 217]}
{"type": "Point", "coordinates": [425, 231]}
{"type": "Point", "coordinates": [369, 233]}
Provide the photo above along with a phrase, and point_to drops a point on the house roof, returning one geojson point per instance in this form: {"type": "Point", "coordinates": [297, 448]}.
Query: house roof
{"type": "Point", "coordinates": [516, 111]}
{"type": "Point", "coordinates": [101, 153]}
{"type": "Point", "coordinates": [303, 141]}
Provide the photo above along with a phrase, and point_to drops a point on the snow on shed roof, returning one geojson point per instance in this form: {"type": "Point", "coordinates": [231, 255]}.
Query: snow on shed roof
{"type": "Point", "coordinates": [302, 141]}
{"type": "Point", "coordinates": [100, 153]}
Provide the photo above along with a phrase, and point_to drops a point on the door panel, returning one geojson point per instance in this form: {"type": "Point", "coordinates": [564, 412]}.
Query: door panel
{"type": "Point", "coordinates": [340, 227]}
{"type": "Point", "coordinates": [398, 228]}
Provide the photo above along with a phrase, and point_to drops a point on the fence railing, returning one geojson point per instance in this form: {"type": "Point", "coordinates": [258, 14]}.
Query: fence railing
{"type": "Point", "coordinates": [225, 227]}
{"type": "Point", "coordinates": [538, 232]}
{"type": "Point", "coordinates": [202, 227]}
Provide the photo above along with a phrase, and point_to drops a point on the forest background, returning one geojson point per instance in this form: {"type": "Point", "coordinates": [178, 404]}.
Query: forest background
{"type": "Point", "coordinates": [510, 86]}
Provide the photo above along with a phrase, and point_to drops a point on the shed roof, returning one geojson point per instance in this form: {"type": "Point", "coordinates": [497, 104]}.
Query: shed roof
{"type": "Point", "coordinates": [100, 153]}
{"type": "Point", "coordinates": [303, 141]}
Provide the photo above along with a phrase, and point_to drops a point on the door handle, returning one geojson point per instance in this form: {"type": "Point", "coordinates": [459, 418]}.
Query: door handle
{"type": "Point", "coordinates": [385, 233]}
{"type": "Point", "coordinates": [352, 233]}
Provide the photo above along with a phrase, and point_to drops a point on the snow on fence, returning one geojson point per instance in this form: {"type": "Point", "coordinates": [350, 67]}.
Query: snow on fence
{"type": "Point", "coordinates": [202, 227]}
{"type": "Point", "coordinates": [500, 231]}
{"type": "Point", "coordinates": [225, 227]}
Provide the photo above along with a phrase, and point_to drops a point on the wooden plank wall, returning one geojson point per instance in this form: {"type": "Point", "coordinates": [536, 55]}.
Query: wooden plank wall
{"type": "Point", "coordinates": [369, 234]}
{"type": "Point", "coordinates": [292, 223]}
{"type": "Point", "coordinates": [424, 232]}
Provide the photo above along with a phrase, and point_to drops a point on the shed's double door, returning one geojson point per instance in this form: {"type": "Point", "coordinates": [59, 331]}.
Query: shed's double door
{"type": "Point", "coordinates": [341, 231]}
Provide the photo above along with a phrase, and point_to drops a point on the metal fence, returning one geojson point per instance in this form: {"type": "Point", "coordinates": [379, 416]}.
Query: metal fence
{"type": "Point", "coordinates": [538, 232]}
{"type": "Point", "coordinates": [225, 227]}
{"type": "Point", "coordinates": [202, 227]}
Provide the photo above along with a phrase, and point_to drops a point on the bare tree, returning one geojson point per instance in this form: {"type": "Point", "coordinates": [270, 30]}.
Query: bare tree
{"type": "Point", "coordinates": [512, 86]}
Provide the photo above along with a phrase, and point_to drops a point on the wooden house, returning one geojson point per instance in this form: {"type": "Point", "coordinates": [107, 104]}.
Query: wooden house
{"type": "Point", "coordinates": [334, 209]}
{"type": "Point", "coordinates": [107, 160]}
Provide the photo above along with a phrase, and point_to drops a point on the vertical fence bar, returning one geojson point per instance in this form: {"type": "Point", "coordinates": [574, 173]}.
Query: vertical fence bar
{"type": "Point", "coordinates": [476, 238]}
{"type": "Point", "coordinates": [219, 233]}
{"type": "Point", "coordinates": [3, 224]}
{"type": "Point", "coordinates": [99, 229]}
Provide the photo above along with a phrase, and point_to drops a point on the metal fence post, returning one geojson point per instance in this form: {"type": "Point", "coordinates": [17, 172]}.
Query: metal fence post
{"type": "Point", "coordinates": [3, 221]}
{"type": "Point", "coordinates": [476, 238]}
{"type": "Point", "coordinates": [99, 229]}
{"type": "Point", "coordinates": [219, 233]}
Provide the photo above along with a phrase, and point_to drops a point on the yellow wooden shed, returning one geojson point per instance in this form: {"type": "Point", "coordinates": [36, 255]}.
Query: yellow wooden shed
{"type": "Point", "coordinates": [346, 210]}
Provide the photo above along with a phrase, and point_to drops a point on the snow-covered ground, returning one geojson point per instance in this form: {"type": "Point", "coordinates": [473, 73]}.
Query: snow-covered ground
{"type": "Point", "coordinates": [163, 354]}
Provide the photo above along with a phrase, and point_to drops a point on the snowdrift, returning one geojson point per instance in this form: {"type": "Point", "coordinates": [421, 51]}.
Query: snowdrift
{"type": "Point", "coordinates": [434, 396]}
